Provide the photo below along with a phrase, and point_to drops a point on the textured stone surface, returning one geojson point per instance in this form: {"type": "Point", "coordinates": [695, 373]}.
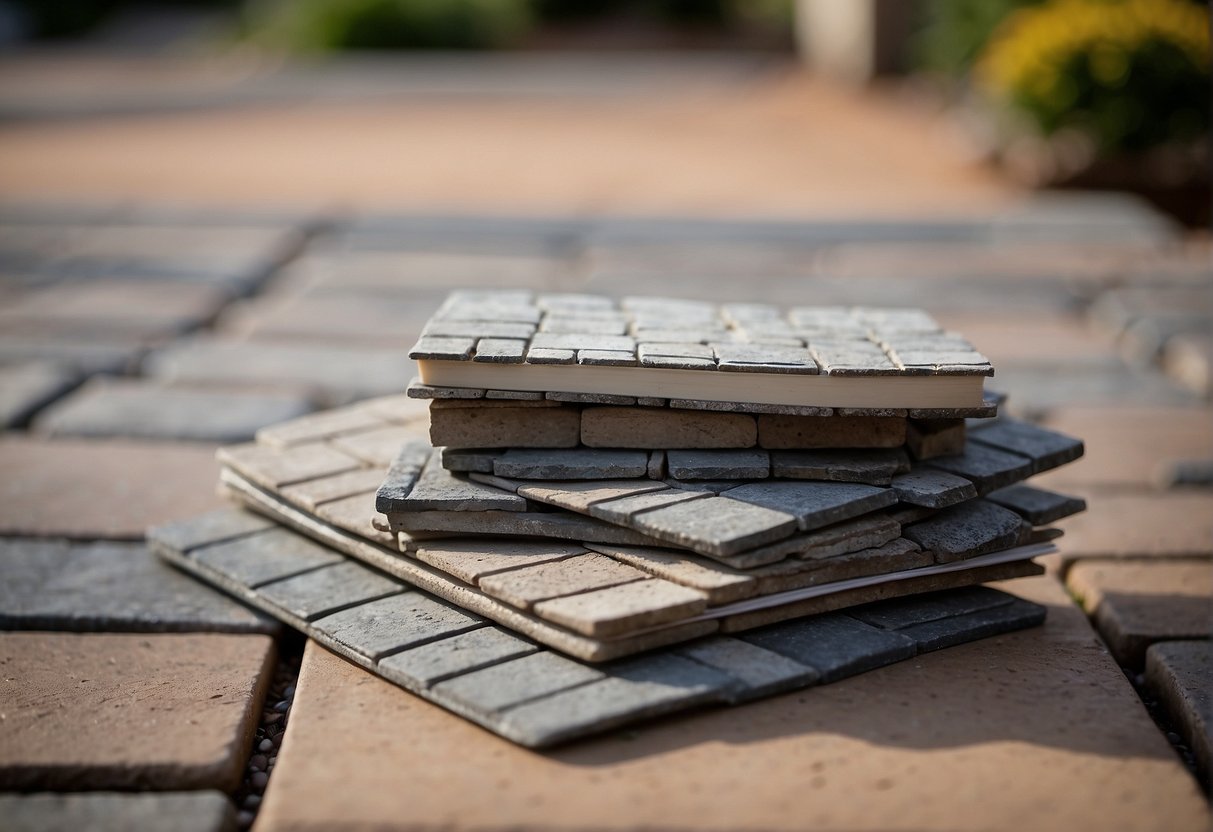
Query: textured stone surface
{"type": "Point", "coordinates": [505, 427]}
{"type": "Point", "coordinates": [114, 407]}
{"type": "Point", "coordinates": [795, 432]}
{"type": "Point", "coordinates": [1137, 603]}
{"type": "Point", "coordinates": [873, 466]}
{"type": "Point", "coordinates": [156, 711]}
{"type": "Point", "coordinates": [276, 468]}
{"type": "Point", "coordinates": [516, 681]}
{"type": "Point", "coordinates": [913, 610]}
{"type": "Point", "coordinates": [1180, 674]}
{"type": "Point", "coordinates": [815, 504]}
{"type": "Point", "coordinates": [716, 525]}
{"type": "Point", "coordinates": [471, 559]}
{"type": "Point", "coordinates": [581, 496]}
{"type": "Point", "coordinates": [932, 489]}
{"type": "Point", "coordinates": [261, 558]}
{"type": "Point", "coordinates": [315, 493]}
{"type": "Point", "coordinates": [205, 811]}
{"type": "Point", "coordinates": [401, 476]}
{"type": "Point", "coordinates": [966, 530]}
{"type": "Point", "coordinates": [378, 447]}
{"type": "Point", "coordinates": [762, 671]}
{"type": "Point", "coordinates": [986, 467]}
{"type": "Point", "coordinates": [727, 464]}
{"type": "Point", "coordinates": [662, 429]}
{"type": "Point", "coordinates": [525, 586]}
{"type": "Point", "coordinates": [437, 489]}
{"type": "Point", "coordinates": [454, 656]}
{"type": "Point", "coordinates": [570, 464]}
{"type": "Point", "coordinates": [101, 489]}
{"type": "Point", "coordinates": [387, 625]}
{"type": "Point", "coordinates": [719, 583]}
{"type": "Point", "coordinates": [1037, 505]}
{"type": "Point", "coordinates": [947, 632]}
{"type": "Point", "coordinates": [55, 585]}
{"type": "Point", "coordinates": [1046, 448]}
{"type": "Point", "coordinates": [622, 510]}
{"type": "Point", "coordinates": [894, 556]}
{"type": "Point", "coordinates": [623, 608]}
{"type": "Point", "coordinates": [929, 438]}
{"type": "Point", "coordinates": [212, 527]}
{"type": "Point", "coordinates": [834, 645]}
{"type": "Point", "coordinates": [327, 590]}
{"type": "Point", "coordinates": [27, 387]}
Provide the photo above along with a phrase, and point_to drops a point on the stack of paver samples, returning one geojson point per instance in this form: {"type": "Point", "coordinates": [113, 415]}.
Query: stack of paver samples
{"type": "Point", "coordinates": [624, 508]}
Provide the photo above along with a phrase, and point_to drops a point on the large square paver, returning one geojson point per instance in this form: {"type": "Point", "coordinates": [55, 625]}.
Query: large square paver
{"type": "Point", "coordinates": [1034, 730]}
{"type": "Point", "coordinates": [124, 711]}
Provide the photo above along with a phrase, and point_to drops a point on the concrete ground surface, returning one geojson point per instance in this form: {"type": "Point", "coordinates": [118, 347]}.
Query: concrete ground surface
{"type": "Point", "coordinates": [137, 333]}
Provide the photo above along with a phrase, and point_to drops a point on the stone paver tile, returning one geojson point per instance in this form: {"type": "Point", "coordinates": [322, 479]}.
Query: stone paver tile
{"type": "Point", "coordinates": [25, 388]}
{"type": "Point", "coordinates": [570, 464]}
{"type": "Point", "coordinates": [348, 420]}
{"type": "Point", "coordinates": [924, 608]}
{"type": "Point", "coordinates": [1136, 603]}
{"type": "Point", "coordinates": [780, 432]}
{"type": "Point", "coordinates": [1046, 448]}
{"type": "Point", "coordinates": [967, 530]}
{"type": "Point", "coordinates": [726, 464]}
{"type": "Point", "coordinates": [155, 711]}
{"type": "Point", "coordinates": [834, 645]}
{"type": "Point", "coordinates": [437, 489]}
{"type": "Point", "coordinates": [719, 583]}
{"type": "Point", "coordinates": [1022, 764]}
{"type": "Point", "coordinates": [401, 476]}
{"type": "Point", "coordinates": [875, 466]}
{"type": "Point", "coordinates": [1175, 524]}
{"type": "Point", "coordinates": [1037, 505]}
{"type": "Point", "coordinates": [204, 811]}
{"type": "Point", "coordinates": [581, 573]}
{"type": "Point", "coordinates": [623, 608]}
{"type": "Point", "coordinates": [654, 428]}
{"type": "Point", "coordinates": [717, 526]}
{"type": "Point", "coordinates": [381, 446]}
{"type": "Point", "coordinates": [582, 496]}
{"type": "Point", "coordinates": [213, 527]}
{"type": "Point", "coordinates": [1130, 445]}
{"type": "Point", "coordinates": [932, 489]}
{"type": "Point", "coordinates": [275, 468]}
{"type": "Point", "coordinates": [257, 559]}
{"type": "Point", "coordinates": [357, 514]}
{"type": "Point", "coordinates": [56, 585]}
{"type": "Point", "coordinates": [454, 656]}
{"type": "Point", "coordinates": [328, 589]}
{"type": "Point", "coordinates": [505, 427]}
{"type": "Point", "coordinates": [316, 492]}
{"type": "Point", "coordinates": [516, 681]}
{"type": "Point", "coordinates": [471, 559]}
{"type": "Point", "coordinates": [986, 467]}
{"type": "Point", "coordinates": [762, 671]}
{"type": "Point", "coordinates": [896, 555]}
{"type": "Point", "coordinates": [948, 632]}
{"type": "Point", "coordinates": [622, 510]}
{"type": "Point", "coordinates": [815, 504]}
{"type": "Point", "coordinates": [1180, 673]}
{"type": "Point", "coordinates": [388, 625]}
{"type": "Point", "coordinates": [138, 409]}
{"type": "Point", "coordinates": [101, 488]}
{"type": "Point", "coordinates": [469, 460]}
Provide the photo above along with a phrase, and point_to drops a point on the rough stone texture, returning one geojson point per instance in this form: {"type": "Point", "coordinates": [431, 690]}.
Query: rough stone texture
{"type": "Point", "coordinates": [966, 530]}
{"type": "Point", "coordinates": [729, 464]}
{"type": "Point", "coordinates": [347, 420]}
{"type": "Point", "coordinates": [454, 656]}
{"type": "Point", "coordinates": [516, 681]}
{"type": "Point", "coordinates": [929, 438]}
{"type": "Point", "coordinates": [466, 461]}
{"type": "Point", "coordinates": [1180, 673]}
{"type": "Point", "coordinates": [25, 388]}
{"type": "Point", "coordinates": [582, 496]}
{"type": "Point", "coordinates": [1036, 505]}
{"type": "Point", "coordinates": [762, 671]}
{"type": "Point", "coordinates": [526, 586]}
{"type": "Point", "coordinates": [213, 527]}
{"type": "Point", "coordinates": [155, 711]}
{"type": "Point", "coordinates": [470, 560]}
{"type": "Point", "coordinates": [439, 490]}
{"type": "Point", "coordinates": [658, 429]}
{"type": "Point", "coordinates": [273, 468]}
{"type": "Point", "coordinates": [552, 524]}
{"type": "Point", "coordinates": [128, 407]}
{"type": "Point", "coordinates": [621, 511]}
{"type": "Point", "coordinates": [55, 585]}
{"type": "Point", "coordinates": [947, 632]}
{"type": "Point", "coordinates": [913, 610]}
{"type": "Point", "coordinates": [206, 811]}
{"type": "Point", "coordinates": [933, 489]}
{"type": "Point", "coordinates": [327, 590]}
{"type": "Point", "coordinates": [894, 556]}
{"type": "Point", "coordinates": [834, 645]}
{"type": "Point", "coordinates": [719, 583]}
{"type": "Point", "coordinates": [795, 432]}
{"type": "Point", "coordinates": [315, 493]}
{"type": "Point", "coordinates": [101, 489]}
{"type": "Point", "coordinates": [1115, 525]}
{"type": "Point", "coordinates": [388, 625]}
{"type": "Point", "coordinates": [872, 466]}
{"type": "Point", "coordinates": [986, 467]}
{"type": "Point", "coordinates": [617, 610]}
{"type": "Point", "coordinates": [815, 504]}
{"type": "Point", "coordinates": [401, 476]}
{"type": "Point", "coordinates": [1136, 603]}
{"type": "Point", "coordinates": [1046, 448]}
{"type": "Point", "coordinates": [499, 350]}
{"type": "Point", "coordinates": [505, 427]}
{"type": "Point", "coordinates": [261, 558]}
{"type": "Point", "coordinates": [716, 525]}
{"type": "Point", "coordinates": [380, 446]}
{"type": "Point", "coordinates": [570, 464]}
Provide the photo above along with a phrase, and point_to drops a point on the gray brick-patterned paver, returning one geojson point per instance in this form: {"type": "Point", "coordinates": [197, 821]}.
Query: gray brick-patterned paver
{"type": "Point", "coordinates": [718, 464]}
{"type": "Point", "coordinates": [328, 589]}
{"type": "Point", "coordinates": [835, 645]}
{"type": "Point", "coordinates": [932, 489]}
{"type": "Point", "coordinates": [967, 530]}
{"type": "Point", "coordinates": [716, 525]}
{"type": "Point", "coordinates": [986, 467]}
{"type": "Point", "coordinates": [570, 464]}
{"type": "Point", "coordinates": [815, 504]}
{"type": "Point", "coordinates": [455, 656]}
{"type": "Point", "coordinates": [1038, 506]}
{"type": "Point", "coordinates": [394, 623]}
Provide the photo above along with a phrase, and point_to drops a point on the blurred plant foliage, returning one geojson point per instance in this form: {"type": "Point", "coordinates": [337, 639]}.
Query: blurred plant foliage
{"type": "Point", "coordinates": [952, 33]}
{"type": "Point", "coordinates": [1131, 74]}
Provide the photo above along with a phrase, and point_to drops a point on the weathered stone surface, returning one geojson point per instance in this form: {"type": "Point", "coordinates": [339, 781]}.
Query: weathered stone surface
{"type": "Point", "coordinates": [437, 489]}
{"type": "Point", "coordinates": [528, 585]}
{"type": "Point", "coordinates": [848, 536]}
{"type": "Point", "coordinates": [657, 466]}
{"type": "Point", "coordinates": [1037, 505]}
{"type": "Point", "coordinates": [948, 632]}
{"type": "Point", "coordinates": [179, 710]}
{"type": "Point", "coordinates": [455, 656]}
{"type": "Point", "coordinates": [582, 496]}
{"type": "Point", "coordinates": [873, 466]}
{"type": "Point", "coordinates": [263, 557]}
{"type": "Point", "coordinates": [986, 467]}
{"type": "Point", "coordinates": [1046, 448]}
{"type": "Point", "coordinates": [779, 432]}
{"type": "Point", "coordinates": [206, 811]}
{"type": "Point", "coordinates": [912, 610]}
{"type": "Point", "coordinates": [929, 438]}
{"type": "Point", "coordinates": [764, 358]}
{"type": "Point", "coordinates": [591, 398]}
{"type": "Point", "coordinates": [437, 347]}
{"type": "Point", "coordinates": [553, 524]}
{"type": "Point", "coordinates": [500, 350]}
{"type": "Point", "coordinates": [513, 395]}
{"type": "Point", "coordinates": [101, 489]}
{"type": "Point", "coordinates": [387, 625]}
{"type": "Point", "coordinates": [719, 583]}
{"type": "Point", "coordinates": [834, 645]}
{"type": "Point", "coordinates": [966, 530]}
{"type": "Point", "coordinates": [1180, 673]}
{"type": "Point", "coordinates": [55, 585]}
{"type": "Point", "coordinates": [749, 407]}
{"type": "Point", "coordinates": [381, 446]}
{"type": "Point", "coordinates": [570, 464]}
{"type": "Point", "coordinates": [662, 429]}
{"type": "Point", "coordinates": [314, 493]}
{"type": "Point", "coordinates": [274, 468]}
{"type": "Point", "coordinates": [762, 672]}
{"type": "Point", "coordinates": [26, 388]}
{"type": "Point", "coordinates": [505, 427]}
{"type": "Point", "coordinates": [438, 393]}
{"type": "Point", "coordinates": [672, 355]}
{"type": "Point", "coordinates": [1137, 603]}
{"type": "Point", "coordinates": [548, 355]}
{"type": "Point", "coordinates": [580, 341]}
{"type": "Point", "coordinates": [718, 464]}
{"type": "Point", "coordinates": [328, 424]}
{"type": "Point", "coordinates": [933, 489]}
{"type": "Point", "coordinates": [607, 358]}
{"type": "Point", "coordinates": [467, 460]}
{"type": "Point", "coordinates": [623, 608]}
{"type": "Point", "coordinates": [516, 681]}
{"type": "Point", "coordinates": [622, 510]}
{"type": "Point", "coordinates": [716, 525]}
{"type": "Point", "coordinates": [815, 504]}
{"type": "Point", "coordinates": [129, 407]}
{"type": "Point", "coordinates": [471, 559]}
{"type": "Point", "coordinates": [329, 589]}
{"type": "Point", "coordinates": [402, 476]}
{"type": "Point", "coordinates": [211, 527]}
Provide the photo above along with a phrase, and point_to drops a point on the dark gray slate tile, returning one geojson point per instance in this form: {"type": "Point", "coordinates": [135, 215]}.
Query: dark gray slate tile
{"type": "Point", "coordinates": [1180, 674]}
{"type": "Point", "coordinates": [263, 557]}
{"type": "Point", "coordinates": [402, 476]}
{"type": "Point", "coordinates": [815, 504]}
{"type": "Point", "coordinates": [986, 467]}
{"type": "Point", "coordinates": [514, 682]}
{"type": "Point", "coordinates": [623, 509]}
{"type": "Point", "coordinates": [758, 671]}
{"type": "Point", "coordinates": [390, 624]}
{"type": "Point", "coordinates": [119, 407]}
{"type": "Point", "coordinates": [206, 811]}
{"type": "Point", "coordinates": [438, 348]}
{"type": "Point", "coordinates": [912, 610]}
{"type": "Point", "coordinates": [1038, 506]}
{"type": "Point", "coordinates": [716, 525]}
{"type": "Point", "coordinates": [117, 587]}
{"type": "Point", "coordinates": [582, 341]}
{"type": "Point", "coordinates": [967, 530]}
{"type": "Point", "coordinates": [1046, 448]}
{"type": "Point", "coordinates": [875, 466]}
{"type": "Point", "coordinates": [455, 656]}
{"type": "Point", "coordinates": [499, 351]}
{"type": "Point", "coordinates": [835, 645]}
{"type": "Point", "coordinates": [417, 390]}
{"type": "Point", "coordinates": [677, 356]}
{"type": "Point", "coordinates": [948, 632]}
{"type": "Point", "coordinates": [635, 689]}
{"type": "Point", "coordinates": [850, 357]}
{"type": "Point", "coordinates": [514, 395]}
{"type": "Point", "coordinates": [26, 388]}
{"type": "Point", "coordinates": [437, 489]}
{"type": "Point", "coordinates": [729, 464]}
{"type": "Point", "coordinates": [591, 398]}
{"type": "Point", "coordinates": [570, 464]}
{"type": "Point", "coordinates": [932, 489]}
{"type": "Point", "coordinates": [322, 591]}
{"type": "Point", "coordinates": [468, 460]}
{"type": "Point", "coordinates": [554, 524]}
{"type": "Point", "coordinates": [764, 358]}
{"type": "Point", "coordinates": [549, 355]}
{"type": "Point", "coordinates": [212, 527]}
{"type": "Point", "coordinates": [607, 358]}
